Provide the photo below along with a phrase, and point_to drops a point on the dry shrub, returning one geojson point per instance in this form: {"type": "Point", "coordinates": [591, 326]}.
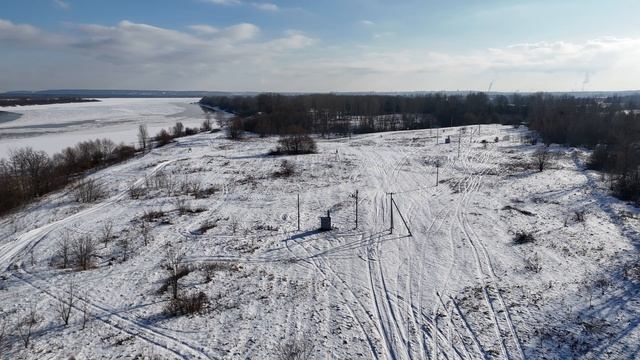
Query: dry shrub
{"type": "Point", "coordinates": [89, 190]}
{"type": "Point", "coordinates": [286, 169]}
{"type": "Point", "coordinates": [523, 237]}
{"type": "Point", "coordinates": [186, 305]}
{"type": "Point", "coordinates": [210, 269]}
{"type": "Point", "coordinates": [295, 350]}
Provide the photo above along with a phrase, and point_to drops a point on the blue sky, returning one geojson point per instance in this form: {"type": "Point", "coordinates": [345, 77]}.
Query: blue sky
{"type": "Point", "coordinates": [328, 45]}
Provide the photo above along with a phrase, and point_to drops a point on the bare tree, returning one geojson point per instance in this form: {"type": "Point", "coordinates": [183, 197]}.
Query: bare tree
{"type": "Point", "coordinates": [206, 124]}
{"type": "Point", "coordinates": [541, 156]}
{"type": "Point", "coordinates": [89, 190]}
{"type": "Point", "coordinates": [63, 250]}
{"type": "Point", "coordinates": [143, 137]}
{"type": "Point", "coordinates": [173, 262]}
{"type": "Point", "coordinates": [65, 304]}
{"type": "Point", "coordinates": [27, 323]}
{"type": "Point", "coordinates": [178, 129]}
{"type": "Point", "coordinates": [124, 243]}
{"type": "Point", "coordinates": [107, 232]}
{"type": "Point", "coordinates": [83, 250]}
{"type": "Point", "coordinates": [145, 232]}
{"type": "Point", "coordinates": [234, 224]}
{"type": "Point", "coordinates": [234, 130]}
{"type": "Point", "coordinates": [86, 313]}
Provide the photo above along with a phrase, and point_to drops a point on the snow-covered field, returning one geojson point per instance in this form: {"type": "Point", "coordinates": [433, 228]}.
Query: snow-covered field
{"type": "Point", "coordinates": [54, 127]}
{"type": "Point", "coordinates": [456, 288]}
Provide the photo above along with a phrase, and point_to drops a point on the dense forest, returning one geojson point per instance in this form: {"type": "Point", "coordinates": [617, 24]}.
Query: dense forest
{"type": "Point", "coordinates": [608, 125]}
{"type": "Point", "coordinates": [21, 101]}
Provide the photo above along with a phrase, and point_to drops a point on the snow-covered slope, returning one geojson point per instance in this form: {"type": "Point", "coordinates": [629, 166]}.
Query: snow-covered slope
{"type": "Point", "coordinates": [449, 285]}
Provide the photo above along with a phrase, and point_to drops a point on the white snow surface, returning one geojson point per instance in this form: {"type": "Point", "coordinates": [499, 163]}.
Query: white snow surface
{"type": "Point", "coordinates": [56, 126]}
{"type": "Point", "coordinates": [456, 288]}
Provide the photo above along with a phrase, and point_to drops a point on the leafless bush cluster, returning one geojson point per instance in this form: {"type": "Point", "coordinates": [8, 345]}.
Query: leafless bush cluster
{"type": "Point", "coordinates": [532, 263]}
{"type": "Point", "coordinates": [295, 144]}
{"type": "Point", "coordinates": [89, 190]}
{"type": "Point", "coordinates": [152, 215]}
{"type": "Point", "coordinates": [210, 269]}
{"type": "Point", "coordinates": [523, 237]}
{"type": "Point", "coordinates": [161, 181]}
{"type": "Point", "coordinates": [541, 157]}
{"type": "Point", "coordinates": [189, 186]}
{"type": "Point", "coordinates": [78, 252]}
{"type": "Point", "coordinates": [136, 191]}
{"type": "Point", "coordinates": [207, 225]}
{"type": "Point", "coordinates": [286, 169]}
{"type": "Point", "coordinates": [65, 304]}
{"type": "Point", "coordinates": [298, 349]}
{"type": "Point", "coordinates": [187, 304]}
{"type": "Point", "coordinates": [579, 216]}
{"type": "Point", "coordinates": [106, 233]}
{"type": "Point", "coordinates": [176, 269]}
{"type": "Point", "coordinates": [27, 323]}
{"type": "Point", "coordinates": [84, 250]}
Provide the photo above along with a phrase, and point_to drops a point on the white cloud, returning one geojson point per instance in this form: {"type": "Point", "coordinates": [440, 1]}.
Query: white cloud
{"type": "Point", "coordinates": [204, 29]}
{"type": "Point", "coordinates": [267, 7]}
{"type": "Point", "coordinates": [205, 56]}
{"type": "Point", "coordinates": [223, 2]}
{"type": "Point", "coordinates": [62, 4]}
{"type": "Point", "coordinates": [366, 22]}
{"type": "Point", "coordinates": [241, 32]}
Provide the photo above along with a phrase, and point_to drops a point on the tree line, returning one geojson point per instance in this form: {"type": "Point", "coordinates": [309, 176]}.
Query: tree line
{"type": "Point", "coordinates": [28, 174]}
{"type": "Point", "coordinates": [608, 125]}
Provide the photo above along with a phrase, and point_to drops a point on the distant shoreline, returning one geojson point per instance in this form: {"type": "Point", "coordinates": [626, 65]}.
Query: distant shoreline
{"type": "Point", "coordinates": [43, 101]}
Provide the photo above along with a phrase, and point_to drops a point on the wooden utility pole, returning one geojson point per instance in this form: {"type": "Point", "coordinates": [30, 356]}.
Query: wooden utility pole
{"type": "Point", "coordinates": [298, 212]}
{"type": "Point", "coordinates": [391, 209]}
{"type": "Point", "coordinates": [393, 203]}
{"type": "Point", "coordinates": [459, 141]}
{"type": "Point", "coordinates": [356, 209]}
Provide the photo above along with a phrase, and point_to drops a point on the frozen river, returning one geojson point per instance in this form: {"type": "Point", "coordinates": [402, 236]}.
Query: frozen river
{"type": "Point", "coordinates": [54, 127]}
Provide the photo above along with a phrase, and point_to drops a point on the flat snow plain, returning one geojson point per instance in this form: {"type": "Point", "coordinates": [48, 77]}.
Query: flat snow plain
{"type": "Point", "coordinates": [456, 288]}
{"type": "Point", "coordinates": [54, 127]}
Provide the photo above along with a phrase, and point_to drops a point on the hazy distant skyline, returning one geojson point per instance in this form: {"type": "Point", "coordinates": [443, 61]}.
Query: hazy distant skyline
{"type": "Point", "coordinates": [333, 45]}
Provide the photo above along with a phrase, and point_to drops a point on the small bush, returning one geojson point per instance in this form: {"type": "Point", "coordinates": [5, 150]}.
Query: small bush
{"type": "Point", "coordinates": [295, 350]}
{"type": "Point", "coordinates": [286, 169]}
{"type": "Point", "coordinates": [152, 215]}
{"type": "Point", "coordinates": [579, 216]}
{"type": "Point", "coordinates": [295, 144]}
{"type": "Point", "coordinates": [235, 129]}
{"type": "Point", "coordinates": [207, 225]}
{"type": "Point", "coordinates": [210, 269]}
{"type": "Point", "coordinates": [136, 191]}
{"type": "Point", "coordinates": [186, 305]}
{"type": "Point", "coordinates": [523, 237]}
{"type": "Point", "coordinates": [124, 152]}
{"type": "Point", "coordinates": [191, 131]}
{"type": "Point", "coordinates": [532, 263]}
{"type": "Point", "coordinates": [163, 138]}
{"type": "Point", "coordinates": [181, 271]}
{"type": "Point", "coordinates": [89, 190]}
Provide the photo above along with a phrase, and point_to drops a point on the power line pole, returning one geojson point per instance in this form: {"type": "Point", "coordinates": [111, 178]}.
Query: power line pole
{"type": "Point", "coordinates": [298, 212]}
{"type": "Point", "coordinates": [391, 209]}
{"type": "Point", "coordinates": [459, 141]}
{"type": "Point", "coordinates": [356, 209]}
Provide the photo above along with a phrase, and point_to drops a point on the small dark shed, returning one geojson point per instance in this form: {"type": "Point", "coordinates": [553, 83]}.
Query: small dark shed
{"type": "Point", "coordinates": [325, 222]}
